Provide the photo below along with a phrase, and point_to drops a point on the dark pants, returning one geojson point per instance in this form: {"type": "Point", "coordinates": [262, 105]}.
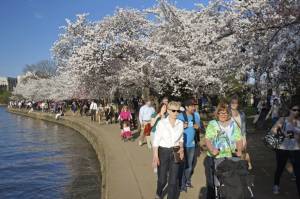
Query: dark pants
{"type": "Point", "coordinates": [282, 157]}
{"type": "Point", "coordinates": [93, 115]}
{"type": "Point", "coordinates": [108, 117]}
{"type": "Point", "coordinates": [274, 120]}
{"type": "Point", "coordinates": [209, 165]}
{"type": "Point", "coordinates": [167, 171]}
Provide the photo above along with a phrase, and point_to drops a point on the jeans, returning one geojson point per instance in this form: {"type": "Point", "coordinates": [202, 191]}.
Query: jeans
{"type": "Point", "coordinates": [282, 157]}
{"type": "Point", "coordinates": [189, 155]}
{"type": "Point", "coordinates": [167, 171]}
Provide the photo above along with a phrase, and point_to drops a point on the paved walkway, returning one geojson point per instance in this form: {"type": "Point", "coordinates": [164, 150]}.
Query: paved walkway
{"type": "Point", "coordinates": [128, 173]}
{"type": "Point", "coordinates": [138, 162]}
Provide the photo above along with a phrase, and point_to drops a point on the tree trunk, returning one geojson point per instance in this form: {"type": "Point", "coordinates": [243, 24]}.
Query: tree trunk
{"type": "Point", "coordinates": [145, 92]}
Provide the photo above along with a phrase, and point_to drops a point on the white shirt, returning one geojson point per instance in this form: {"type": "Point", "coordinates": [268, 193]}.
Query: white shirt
{"type": "Point", "coordinates": [168, 136]}
{"type": "Point", "coordinates": [93, 106]}
{"type": "Point", "coordinates": [126, 129]}
{"type": "Point", "coordinates": [146, 113]}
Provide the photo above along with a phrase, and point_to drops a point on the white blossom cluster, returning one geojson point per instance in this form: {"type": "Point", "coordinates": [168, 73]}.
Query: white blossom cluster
{"type": "Point", "coordinates": [206, 47]}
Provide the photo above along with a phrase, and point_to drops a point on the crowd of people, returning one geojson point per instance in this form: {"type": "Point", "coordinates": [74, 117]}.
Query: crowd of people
{"type": "Point", "coordinates": [172, 130]}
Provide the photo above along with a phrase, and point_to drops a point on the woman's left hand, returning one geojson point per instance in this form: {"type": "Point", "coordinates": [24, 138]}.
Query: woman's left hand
{"type": "Point", "coordinates": [181, 153]}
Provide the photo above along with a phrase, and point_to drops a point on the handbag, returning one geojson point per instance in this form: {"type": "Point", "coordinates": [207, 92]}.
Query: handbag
{"type": "Point", "coordinates": [176, 154]}
{"type": "Point", "coordinates": [273, 141]}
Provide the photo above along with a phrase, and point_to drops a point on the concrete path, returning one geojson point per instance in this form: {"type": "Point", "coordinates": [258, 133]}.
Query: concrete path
{"type": "Point", "coordinates": [128, 172]}
{"type": "Point", "coordinates": [141, 183]}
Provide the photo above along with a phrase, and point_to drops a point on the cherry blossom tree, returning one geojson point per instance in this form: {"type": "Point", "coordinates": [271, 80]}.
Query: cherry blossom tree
{"type": "Point", "coordinates": [181, 52]}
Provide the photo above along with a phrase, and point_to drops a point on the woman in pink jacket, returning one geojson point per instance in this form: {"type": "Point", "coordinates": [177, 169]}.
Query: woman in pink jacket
{"type": "Point", "coordinates": [125, 115]}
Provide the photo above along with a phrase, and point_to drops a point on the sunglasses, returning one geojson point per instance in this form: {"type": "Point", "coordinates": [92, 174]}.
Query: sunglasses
{"type": "Point", "coordinates": [295, 110]}
{"type": "Point", "coordinates": [177, 111]}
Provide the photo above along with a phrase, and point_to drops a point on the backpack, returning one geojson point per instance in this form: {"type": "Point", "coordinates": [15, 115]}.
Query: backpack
{"type": "Point", "coordinates": [197, 131]}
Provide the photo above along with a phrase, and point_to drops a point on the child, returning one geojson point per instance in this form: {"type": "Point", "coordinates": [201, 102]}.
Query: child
{"type": "Point", "coordinates": [126, 133]}
{"type": "Point", "coordinates": [125, 115]}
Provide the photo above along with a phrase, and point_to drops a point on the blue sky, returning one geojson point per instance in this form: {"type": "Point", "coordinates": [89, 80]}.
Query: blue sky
{"type": "Point", "coordinates": [28, 28]}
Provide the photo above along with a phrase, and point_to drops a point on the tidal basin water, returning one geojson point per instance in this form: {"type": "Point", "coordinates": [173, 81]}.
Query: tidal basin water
{"type": "Point", "coordinates": [43, 160]}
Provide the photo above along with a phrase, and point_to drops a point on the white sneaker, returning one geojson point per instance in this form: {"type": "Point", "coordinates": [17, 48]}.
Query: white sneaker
{"type": "Point", "coordinates": [276, 189]}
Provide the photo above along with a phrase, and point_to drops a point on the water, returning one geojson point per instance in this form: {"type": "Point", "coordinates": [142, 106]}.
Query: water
{"type": "Point", "coordinates": [43, 160]}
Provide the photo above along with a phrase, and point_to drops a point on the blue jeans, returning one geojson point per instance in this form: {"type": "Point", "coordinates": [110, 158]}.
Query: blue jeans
{"type": "Point", "coordinates": [189, 155]}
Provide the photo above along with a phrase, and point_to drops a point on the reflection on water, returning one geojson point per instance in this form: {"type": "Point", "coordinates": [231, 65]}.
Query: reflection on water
{"type": "Point", "coordinates": [44, 160]}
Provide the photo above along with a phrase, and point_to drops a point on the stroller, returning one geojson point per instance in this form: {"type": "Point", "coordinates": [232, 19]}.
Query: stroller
{"type": "Point", "coordinates": [126, 133]}
{"type": "Point", "coordinates": [231, 179]}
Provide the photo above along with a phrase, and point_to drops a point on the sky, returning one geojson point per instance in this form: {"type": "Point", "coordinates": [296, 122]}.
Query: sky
{"type": "Point", "coordinates": [28, 28]}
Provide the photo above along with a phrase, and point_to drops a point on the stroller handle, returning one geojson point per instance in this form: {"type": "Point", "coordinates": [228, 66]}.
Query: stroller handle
{"type": "Point", "coordinates": [234, 154]}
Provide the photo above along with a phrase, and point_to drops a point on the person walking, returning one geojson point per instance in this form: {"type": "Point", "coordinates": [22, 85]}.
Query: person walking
{"type": "Point", "coordinates": [274, 111]}
{"type": "Point", "coordinates": [145, 118]}
{"type": "Point", "coordinates": [100, 113]}
{"type": "Point", "coordinates": [240, 118]}
{"type": "Point", "coordinates": [156, 117]}
{"type": "Point", "coordinates": [108, 114]}
{"type": "Point", "coordinates": [93, 109]}
{"type": "Point", "coordinates": [222, 138]}
{"type": "Point", "coordinates": [289, 148]}
{"type": "Point", "coordinates": [262, 113]}
{"type": "Point", "coordinates": [191, 125]}
{"type": "Point", "coordinates": [74, 107]}
{"type": "Point", "coordinates": [168, 151]}
{"type": "Point", "coordinates": [125, 115]}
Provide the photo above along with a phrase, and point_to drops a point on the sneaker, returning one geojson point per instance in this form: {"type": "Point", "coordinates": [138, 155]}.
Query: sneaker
{"type": "Point", "coordinates": [276, 189]}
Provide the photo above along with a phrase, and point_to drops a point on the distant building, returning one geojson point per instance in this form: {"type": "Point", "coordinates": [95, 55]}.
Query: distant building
{"type": "Point", "coordinates": [8, 83]}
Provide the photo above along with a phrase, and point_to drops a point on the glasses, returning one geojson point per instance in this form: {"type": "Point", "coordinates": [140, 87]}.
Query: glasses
{"type": "Point", "coordinates": [223, 113]}
{"type": "Point", "coordinates": [295, 110]}
{"type": "Point", "coordinates": [175, 111]}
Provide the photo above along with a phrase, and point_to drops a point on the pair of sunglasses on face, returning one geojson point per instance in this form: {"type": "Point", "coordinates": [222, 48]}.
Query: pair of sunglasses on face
{"type": "Point", "coordinates": [173, 110]}
{"type": "Point", "coordinates": [295, 110]}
